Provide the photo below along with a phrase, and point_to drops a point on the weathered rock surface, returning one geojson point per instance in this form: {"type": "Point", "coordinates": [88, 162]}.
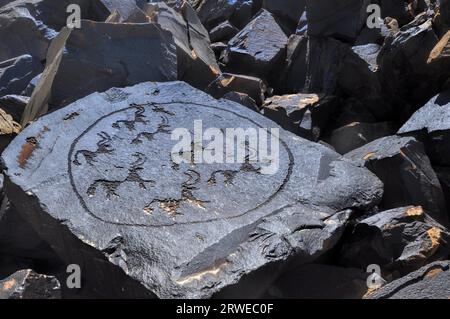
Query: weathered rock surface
{"type": "Point", "coordinates": [227, 82]}
{"type": "Point", "coordinates": [14, 105]}
{"type": "Point", "coordinates": [287, 12]}
{"type": "Point", "coordinates": [27, 284]}
{"type": "Point", "coordinates": [406, 172]}
{"type": "Point", "coordinates": [431, 125]}
{"type": "Point", "coordinates": [80, 62]}
{"type": "Point", "coordinates": [197, 64]}
{"type": "Point", "coordinates": [98, 176]}
{"type": "Point", "coordinates": [400, 240]}
{"type": "Point", "coordinates": [357, 134]}
{"type": "Point", "coordinates": [306, 115]}
{"type": "Point", "coordinates": [317, 281]}
{"type": "Point", "coordinates": [430, 282]}
{"type": "Point", "coordinates": [16, 73]}
{"type": "Point", "coordinates": [258, 48]}
{"type": "Point", "coordinates": [342, 19]}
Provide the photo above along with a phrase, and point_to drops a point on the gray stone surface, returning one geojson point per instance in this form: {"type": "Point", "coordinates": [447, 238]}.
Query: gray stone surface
{"type": "Point", "coordinates": [342, 19]}
{"type": "Point", "coordinates": [400, 240]}
{"type": "Point", "coordinates": [430, 282]}
{"type": "Point", "coordinates": [16, 73]}
{"type": "Point", "coordinates": [405, 170]}
{"type": "Point", "coordinates": [100, 56]}
{"type": "Point", "coordinates": [27, 284]}
{"type": "Point", "coordinates": [97, 176]}
{"type": "Point", "coordinates": [259, 47]}
{"type": "Point", "coordinates": [431, 125]}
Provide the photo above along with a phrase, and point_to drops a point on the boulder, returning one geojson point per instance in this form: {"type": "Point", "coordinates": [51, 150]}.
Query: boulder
{"type": "Point", "coordinates": [197, 63]}
{"type": "Point", "coordinates": [227, 82]}
{"type": "Point", "coordinates": [405, 170]}
{"type": "Point", "coordinates": [431, 125]}
{"type": "Point", "coordinates": [14, 105]}
{"type": "Point", "coordinates": [16, 74]}
{"type": "Point", "coordinates": [430, 282]}
{"type": "Point", "coordinates": [28, 26]}
{"type": "Point", "coordinates": [80, 61]}
{"type": "Point", "coordinates": [112, 177]}
{"type": "Point", "coordinates": [306, 115]}
{"type": "Point", "coordinates": [357, 134]}
{"type": "Point", "coordinates": [27, 284]}
{"type": "Point", "coordinates": [258, 48]}
{"type": "Point", "coordinates": [319, 281]}
{"type": "Point", "coordinates": [287, 12]}
{"type": "Point", "coordinates": [342, 19]}
{"type": "Point", "coordinates": [223, 32]}
{"type": "Point", "coordinates": [400, 240]}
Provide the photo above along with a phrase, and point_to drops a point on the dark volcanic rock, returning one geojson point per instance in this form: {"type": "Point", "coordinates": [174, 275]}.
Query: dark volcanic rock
{"type": "Point", "coordinates": [287, 12]}
{"type": "Point", "coordinates": [223, 32]}
{"type": "Point", "coordinates": [342, 19]}
{"type": "Point", "coordinates": [19, 241]}
{"type": "Point", "coordinates": [430, 282]}
{"type": "Point", "coordinates": [316, 281]}
{"type": "Point", "coordinates": [258, 48]}
{"type": "Point", "coordinates": [226, 82]}
{"type": "Point", "coordinates": [406, 172]}
{"type": "Point", "coordinates": [27, 284]}
{"type": "Point", "coordinates": [303, 114]}
{"type": "Point", "coordinates": [99, 176]}
{"type": "Point", "coordinates": [15, 74]}
{"type": "Point", "coordinates": [431, 125]}
{"type": "Point", "coordinates": [28, 26]}
{"type": "Point", "coordinates": [398, 240]}
{"type": "Point", "coordinates": [14, 105]}
{"type": "Point", "coordinates": [357, 134]}
{"type": "Point", "coordinates": [197, 63]}
{"type": "Point", "coordinates": [100, 56]}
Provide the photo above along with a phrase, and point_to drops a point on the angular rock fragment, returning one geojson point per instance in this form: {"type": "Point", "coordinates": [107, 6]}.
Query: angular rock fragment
{"type": "Point", "coordinates": [357, 134]}
{"type": "Point", "coordinates": [318, 281]}
{"type": "Point", "coordinates": [103, 177]}
{"type": "Point", "coordinates": [287, 12]}
{"type": "Point", "coordinates": [223, 32]}
{"type": "Point", "coordinates": [243, 99]}
{"type": "Point", "coordinates": [430, 282]}
{"type": "Point", "coordinates": [226, 82]}
{"type": "Point", "coordinates": [27, 284]}
{"type": "Point", "coordinates": [258, 48]}
{"type": "Point", "coordinates": [8, 129]}
{"type": "Point", "coordinates": [80, 61]}
{"type": "Point", "coordinates": [21, 243]}
{"type": "Point", "coordinates": [16, 73]}
{"type": "Point", "coordinates": [303, 114]}
{"type": "Point", "coordinates": [400, 240]}
{"type": "Point", "coordinates": [431, 125]}
{"type": "Point", "coordinates": [214, 12]}
{"type": "Point", "coordinates": [342, 19]}
{"type": "Point", "coordinates": [197, 64]}
{"type": "Point", "coordinates": [28, 26]}
{"type": "Point", "coordinates": [405, 170]}
{"type": "Point", "coordinates": [331, 67]}
{"type": "Point", "coordinates": [14, 105]}
{"type": "Point", "coordinates": [403, 64]}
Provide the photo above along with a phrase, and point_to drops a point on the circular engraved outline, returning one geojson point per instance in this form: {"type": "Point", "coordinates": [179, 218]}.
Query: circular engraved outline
{"type": "Point", "coordinates": [83, 203]}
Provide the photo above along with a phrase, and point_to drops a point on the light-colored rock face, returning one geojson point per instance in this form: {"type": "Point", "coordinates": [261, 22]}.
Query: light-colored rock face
{"type": "Point", "coordinates": [104, 166]}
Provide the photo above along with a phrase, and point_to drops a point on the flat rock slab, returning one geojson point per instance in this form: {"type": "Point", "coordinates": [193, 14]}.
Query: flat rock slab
{"type": "Point", "coordinates": [430, 282]}
{"type": "Point", "coordinates": [97, 181]}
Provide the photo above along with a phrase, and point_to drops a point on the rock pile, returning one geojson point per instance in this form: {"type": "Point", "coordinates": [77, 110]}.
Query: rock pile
{"type": "Point", "coordinates": [103, 165]}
